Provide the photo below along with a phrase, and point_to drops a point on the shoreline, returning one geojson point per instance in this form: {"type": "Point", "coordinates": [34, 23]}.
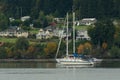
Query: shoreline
{"type": "Point", "coordinates": [44, 60]}
{"type": "Point", "coordinates": [111, 60]}
{"type": "Point", "coordinates": [28, 60]}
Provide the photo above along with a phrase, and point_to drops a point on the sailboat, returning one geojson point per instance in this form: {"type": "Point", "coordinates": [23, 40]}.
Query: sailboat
{"type": "Point", "coordinates": [72, 59]}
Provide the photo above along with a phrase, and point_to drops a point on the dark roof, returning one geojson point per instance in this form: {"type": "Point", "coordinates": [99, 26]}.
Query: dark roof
{"type": "Point", "coordinates": [13, 29]}
{"type": "Point", "coordinates": [50, 28]}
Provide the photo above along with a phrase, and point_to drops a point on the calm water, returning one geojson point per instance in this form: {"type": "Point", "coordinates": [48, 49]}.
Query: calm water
{"type": "Point", "coordinates": [49, 71]}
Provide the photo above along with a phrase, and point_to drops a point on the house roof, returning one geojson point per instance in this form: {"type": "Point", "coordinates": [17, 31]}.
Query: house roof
{"type": "Point", "coordinates": [90, 19]}
{"type": "Point", "coordinates": [50, 28]}
{"type": "Point", "coordinates": [14, 29]}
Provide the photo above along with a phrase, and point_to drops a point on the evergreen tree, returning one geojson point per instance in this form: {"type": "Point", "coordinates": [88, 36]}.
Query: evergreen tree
{"type": "Point", "coordinates": [102, 32]}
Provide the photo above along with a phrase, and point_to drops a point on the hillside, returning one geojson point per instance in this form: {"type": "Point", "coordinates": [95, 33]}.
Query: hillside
{"type": "Point", "coordinates": [83, 8]}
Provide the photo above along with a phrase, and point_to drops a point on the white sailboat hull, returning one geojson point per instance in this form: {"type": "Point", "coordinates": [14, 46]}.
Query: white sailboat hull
{"type": "Point", "coordinates": [73, 61]}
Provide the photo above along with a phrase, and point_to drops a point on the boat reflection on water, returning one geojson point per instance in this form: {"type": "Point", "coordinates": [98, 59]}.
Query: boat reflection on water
{"type": "Point", "coordinates": [73, 66]}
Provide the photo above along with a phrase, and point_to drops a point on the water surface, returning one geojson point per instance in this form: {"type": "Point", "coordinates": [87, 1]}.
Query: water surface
{"type": "Point", "coordinates": [60, 74]}
{"type": "Point", "coordinates": [35, 70]}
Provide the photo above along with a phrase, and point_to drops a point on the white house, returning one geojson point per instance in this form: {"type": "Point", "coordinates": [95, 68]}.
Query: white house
{"type": "Point", "coordinates": [14, 32]}
{"type": "Point", "coordinates": [24, 18]}
{"type": "Point", "coordinates": [88, 21]}
{"type": "Point", "coordinates": [44, 34]}
{"type": "Point", "coordinates": [58, 32]}
{"type": "Point", "coordinates": [82, 35]}
{"type": "Point", "coordinates": [59, 20]}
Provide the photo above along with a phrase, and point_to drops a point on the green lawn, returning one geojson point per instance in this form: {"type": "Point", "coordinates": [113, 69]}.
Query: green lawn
{"type": "Point", "coordinates": [34, 31]}
{"type": "Point", "coordinates": [11, 40]}
{"type": "Point", "coordinates": [82, 27]}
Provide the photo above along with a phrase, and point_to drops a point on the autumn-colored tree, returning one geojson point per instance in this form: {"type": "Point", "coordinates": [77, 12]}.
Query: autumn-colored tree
{"type": "Point", "coordinates": [50, 48]}
{"type": "Point", "coordinates": [80, 49]}
{"type": "Point", "coordinates": [104, 45]}
{"type": "Point", "coordinates": [9, 52]}
{"type": "Point", "coordinates": [87, 48]}
{"type": "Point", "coordinates": [46, 50]}
{"type": "Point", "coordinates": [104, 52]}
{"type": "Point", "coordinates": [30, 52]}
{"type": "Point", "coordinates": [87, 45]}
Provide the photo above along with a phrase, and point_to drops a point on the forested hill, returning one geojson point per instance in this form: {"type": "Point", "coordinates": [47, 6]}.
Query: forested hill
{"type": "Point", "coordinates": [83, 8]}
{"type": "Point", "coordinates": [17, 8]}
{"type": "Point", "coordinates": [97, 8]}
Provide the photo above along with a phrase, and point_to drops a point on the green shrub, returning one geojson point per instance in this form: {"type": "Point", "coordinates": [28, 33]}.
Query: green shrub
{"type": "Point", "coordinates": [115, 52]}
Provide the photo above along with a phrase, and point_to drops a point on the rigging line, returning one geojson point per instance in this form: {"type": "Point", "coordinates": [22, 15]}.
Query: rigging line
{"type": "Point", "coordinates": [61, 36]}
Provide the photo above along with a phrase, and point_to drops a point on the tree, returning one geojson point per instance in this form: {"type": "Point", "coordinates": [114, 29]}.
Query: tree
{"type": "Point", "coordinates": [50, 49]}
{"type": "Point", "coordinates": [3, 21]}
{"type": "Point", "coordinates": [43, 20]}
{"type": "Point", "coordinates": [39, 50]}
{"type": "Point", "coordinates": [21, 46]}
{"type": "Point", "coordinates": [22, 43]}
{"type": "Point", "coordinates": [87, 48]}
{"type": "Point", "coordinates": [104, 45]}
{"type": "Point", "coordinates": [10, 53]}
{"type": "Point", "coordinates": [115, 52]}
{"type": "Point", "coordinates": [30, 52]}
{"type": "Point", "coordinates": [117, 37]}
{"type": "Point", "coordinates": [3, 53]}
{"type": "Point", "coordinates": [117, 8]}
{"type": "Point", "coordinates": [102, 32]}
{"type": "Point", "coordinates": [16, 22]}
{"type": "Point", "coordinates": [80, 49]}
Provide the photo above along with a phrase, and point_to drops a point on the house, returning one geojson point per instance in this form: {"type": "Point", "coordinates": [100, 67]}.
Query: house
{"type": "Point", "coordinates": [14, 32]}
{"type": "Point", "coordinates": [24, 18]}
{"type": "Point", "coordinates": [44, 34]}
{"type": "Point", "coordinates": [59, 20]}
{"type": "Point", "coordinates": [50, 28]}
{"type": "Point", "coordinates": [58, 32]}
{"type": "Point", "coordinates": [77, 23]}
{"type": "Point", "coordinates": [87, 21]}
{"type": "Point", "coordinates": [82, 35]}
{"type": "Point", "coordinates": [61, 33]}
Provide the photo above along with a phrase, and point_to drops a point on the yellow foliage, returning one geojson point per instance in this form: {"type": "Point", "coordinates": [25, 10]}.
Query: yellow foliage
{"type": "Point", "coordinates": [87, 45]}
{"type": "Point", "coordinates": [46, 50]}
{"type": "Point", "coordinates": [51, 47]}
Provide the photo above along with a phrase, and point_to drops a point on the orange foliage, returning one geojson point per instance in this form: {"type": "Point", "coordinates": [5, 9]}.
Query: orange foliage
{"type": "Point", "coordinates": [80, 48]}
{"type": "Point", "coordinates": [104, 45]}
{"type": "Point", "coordinates": [31, 49]}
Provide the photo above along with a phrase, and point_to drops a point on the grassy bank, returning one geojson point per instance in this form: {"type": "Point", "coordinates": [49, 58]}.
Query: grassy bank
{"type": "Point", "coordinates": [13, 40]}
{"type": "Point", "coordinates": [10, 40]}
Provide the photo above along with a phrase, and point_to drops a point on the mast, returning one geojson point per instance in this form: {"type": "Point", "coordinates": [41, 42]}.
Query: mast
{"type": "Point", "coordinates": [73, 32]}
{"type": "Point", "coordinates": [67, 38]}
